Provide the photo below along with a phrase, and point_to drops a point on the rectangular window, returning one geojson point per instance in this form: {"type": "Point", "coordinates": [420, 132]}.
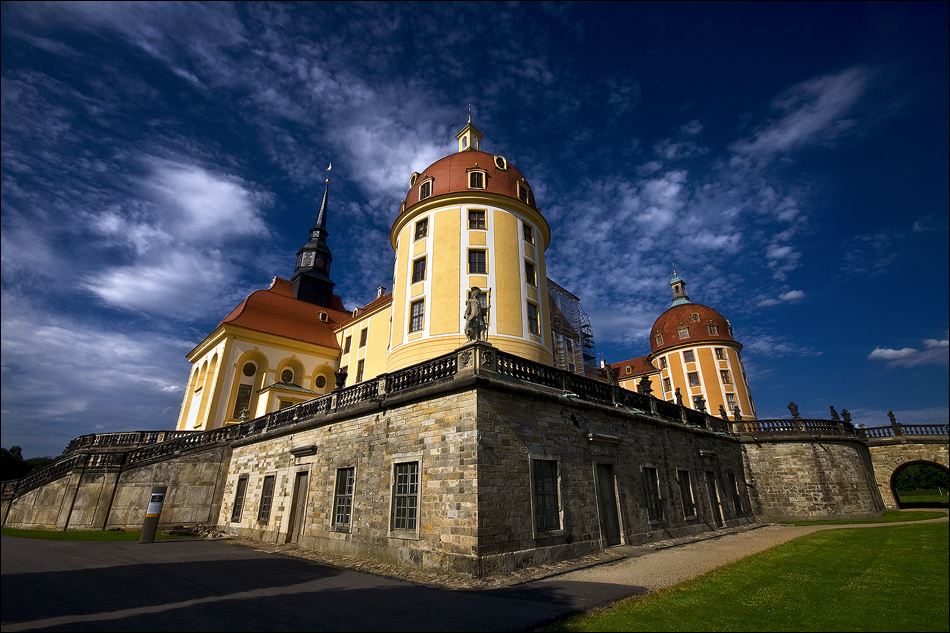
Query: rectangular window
{"type": "Point", "coordinates": [422, 228]}
{"type": "Point", "coordinates": [343, 499]}
{"type": "Point", "coordinates": [533, 325]}
{"type": "Point", "coordinates": [359, 370]}
{"type": "Point", "coordinates": [724, 373]}
{"type": "Point", "coordinates": [406, 496]}
{"type": "Point", "coordinates": [666, 385]}
{"type": "Point", "coordinates": [720, 355]}
{"type": "Point", "coordinates": [693, 379]}
{"type": "Point", "coordinates": [686, 493]}
{"type": "Point", "coordinates": [547, 512]}
{"type": "Point", "coordinates": [530, 276]}
{"type": "Point", "coordinates": [714, 330]}
{"type": "Point", "coordinates": [267, 497]}
{"type": "Point", "coordinates": [689, 356]}
{"type": "Point", "coordinates": [731, 401]}
{"type": "Point", "coordinates": [662, 362]}
{"type": "Point", "coordinates": [243, 400]}
{"type": "Point", "coordinates": [736, 497]}
{"type": "Point", "coordinates": [476, 219]}
{"type": "Point", "coordinates": [476, 180]}
{"type": "Point", "coordinates": [363, 334]}
{"type": "Point", "coordinates": [425, 190]}
{"type": "Point", "coordinates": [346, 345]}
{"type": "Point", "coordinates": [683, 332]}
{"type": "Point", "coordinates": [651, 487]}
{"type": "Point", "coordinates": [239, 499]}
{"type": "Point", "coordinates": [477, 263]}
{"type": "Point", "coordinates": [419, 270]}
{"type": "Point", "coordinates": [528, 233]}
{"type": "Point", "coordinates": [417, 315]}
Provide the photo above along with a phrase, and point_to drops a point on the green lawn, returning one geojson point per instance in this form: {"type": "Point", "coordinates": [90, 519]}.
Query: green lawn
{"type": "Point", "coordinates": [890, 578]}
{"type": "Point", "coordinates": [924, 496]}
{"type": "Point", "coordinates": [891, 516]}
{"type": "Point", "coordinates": [94, 535]}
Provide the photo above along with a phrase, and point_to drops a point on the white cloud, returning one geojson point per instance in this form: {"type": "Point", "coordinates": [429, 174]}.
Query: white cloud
{"type": "Point", "coordinates": [812, 111]}
{"type": "Point", "coordinates": [935, 352]}
{"type": "Point", "coordinates": [790, 296]}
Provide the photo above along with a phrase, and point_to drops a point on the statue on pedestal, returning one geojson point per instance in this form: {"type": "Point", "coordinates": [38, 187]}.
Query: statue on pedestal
{"type": "Point", "coordinates": [679, 397]}
{"type": "Point", "coordinates": [834, 414]}
{"type": "Point", "coordinates": [793, 409]}
{"type": "Point", "coordinates": [723, 414]}
{"type": "Point", "coordinates": [474, 316]}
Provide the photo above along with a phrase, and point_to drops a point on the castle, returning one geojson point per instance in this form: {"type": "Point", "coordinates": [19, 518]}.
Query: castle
{"type": "Point", "coordinates": [460, 422]}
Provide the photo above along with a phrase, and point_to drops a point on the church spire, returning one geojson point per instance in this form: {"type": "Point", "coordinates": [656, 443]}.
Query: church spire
{"type": "Point", "coordinates": [311, 278]}
{"type": "Point", "coordinates": [679, 290]}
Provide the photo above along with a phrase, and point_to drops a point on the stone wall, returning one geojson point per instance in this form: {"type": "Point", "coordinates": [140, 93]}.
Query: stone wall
{"type": "Point", "coordinates": [518, 425]}
{"type": "Point", "coordinates": [112, 497]}
{"type": "Point", "coordinates": [437, 432]}
{"type": "Point", "coordinates": [888, 455]}
{"type": "Point", "coordinates": [811, 478]}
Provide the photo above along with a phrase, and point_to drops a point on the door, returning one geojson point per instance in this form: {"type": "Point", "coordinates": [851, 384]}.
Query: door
{"type": "Point", "coordinates": [298, 508]}
{"type": "Point", "coordinates": [607, 504]}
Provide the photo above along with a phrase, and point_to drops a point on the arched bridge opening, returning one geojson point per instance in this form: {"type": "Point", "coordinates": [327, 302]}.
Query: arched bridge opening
{"type": "Point", "coordinates": [920, 484]}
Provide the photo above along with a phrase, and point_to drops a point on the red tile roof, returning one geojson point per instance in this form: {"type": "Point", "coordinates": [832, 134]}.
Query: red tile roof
{"type": "Point", "coordinates": [372, 305]}
{"type": "Point", "coordinates": [276, 311]}
{"type": "Point", "coordinates": [638, 367]}
{"type": "Point", "coordinates": [450, 175]}
{"type": "Point", "coordinates": [679, 316]}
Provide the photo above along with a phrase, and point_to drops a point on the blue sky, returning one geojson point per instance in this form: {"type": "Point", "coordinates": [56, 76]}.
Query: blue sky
{"type": "Point", "coordinates": [161, 161]}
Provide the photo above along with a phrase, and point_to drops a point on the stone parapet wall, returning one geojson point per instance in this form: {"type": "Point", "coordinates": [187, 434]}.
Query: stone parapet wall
{"type": "Point", "coordinates": [811, 478]}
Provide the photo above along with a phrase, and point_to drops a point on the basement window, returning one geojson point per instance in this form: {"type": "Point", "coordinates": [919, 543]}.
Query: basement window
{"type": "Point", "coordinates": [267, 498]}
{"type": "Point", "coordinates": [343, 499]}
{"type": "Point", "coordinates": [239, 499]}
{"type": "Point", "coordinates": [547, 512]}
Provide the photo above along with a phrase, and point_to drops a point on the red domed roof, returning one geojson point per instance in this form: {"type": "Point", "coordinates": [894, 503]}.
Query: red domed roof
{"type": "Point", "coordinates": [450, 175]}
{"type": "Point", "coordinates": [702, 322]}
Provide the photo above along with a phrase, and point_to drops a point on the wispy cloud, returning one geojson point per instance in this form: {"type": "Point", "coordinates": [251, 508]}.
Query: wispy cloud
{"type": "Point", "coordinates": [934, 353]}
{"type": "Point", "coordinates": [790, 296]}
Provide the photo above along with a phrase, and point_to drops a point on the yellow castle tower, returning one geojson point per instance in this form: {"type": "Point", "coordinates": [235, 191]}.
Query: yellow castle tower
{"type": "Point", "coordinates": [469, 221]}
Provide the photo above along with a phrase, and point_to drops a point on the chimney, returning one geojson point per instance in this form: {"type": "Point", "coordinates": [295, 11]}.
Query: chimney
{"type": "Point", "coordinates": [380, 291]}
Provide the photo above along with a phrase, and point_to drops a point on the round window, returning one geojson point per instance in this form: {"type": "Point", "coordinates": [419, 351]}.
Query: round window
{"type": "Point", "coordinates": [695, 317]}
{"type": "Point", "coordinates": [249, 369]}
{"type": "Point", "coordinates": [287, 376]}
{"type": "Point", "coordinates": [321, 382]}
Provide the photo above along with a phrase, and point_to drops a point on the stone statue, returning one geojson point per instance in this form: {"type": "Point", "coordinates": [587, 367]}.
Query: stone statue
{"type": "Point", "coordinates": [834, 414]}
{"type": "Point", "coordinates": [700, 403]}
{"type": "Point", "coordinates": [679, 397]}
{"type": "Point", "coordinates": [890, 416]}
{"type": "Point", "coordinates": [474, 316]}
{"type": "Point", "coordinates": [723, 414]}
{"type": "Point", "coordinates": [737, 413]}
{"type": "Point", "coordinates": [645, 386]}
{"type": "Point", "coordinates": [793, 409]}
{"type": "Point", "coordinates": [846, 415]}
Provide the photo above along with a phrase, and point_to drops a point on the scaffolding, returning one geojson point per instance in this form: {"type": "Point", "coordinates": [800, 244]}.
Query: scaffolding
{"type": "Point", "coordinates": [570, 306]}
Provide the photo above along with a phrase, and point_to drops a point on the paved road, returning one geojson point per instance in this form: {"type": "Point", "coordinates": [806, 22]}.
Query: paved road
{"type": "Point", "coordinates": [186, 585]}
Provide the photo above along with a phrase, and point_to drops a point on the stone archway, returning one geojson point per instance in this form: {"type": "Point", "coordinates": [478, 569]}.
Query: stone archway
{"type": "Point", "coordinates": [894, 481]}
{"type": "Point", "coordinates": [889, 456]}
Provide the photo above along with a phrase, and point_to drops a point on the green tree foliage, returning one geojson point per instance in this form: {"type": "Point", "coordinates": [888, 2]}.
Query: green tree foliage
{"type": "Point", "coordinates": [922, 477]}
{"type": "Point", "coordinates": [12, 464]}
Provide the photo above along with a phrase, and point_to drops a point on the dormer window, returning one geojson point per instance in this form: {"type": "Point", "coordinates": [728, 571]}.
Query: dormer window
{"type": "Point", "coordinates": [713, 330]}
{"type": "Point", "coordinates": [659, 339]}
{"type": "Point", "coordinates": [413, 178]}
{"type": "Point", "coordinates": [425, 190]}
{"type": "Point", "coordinates": [523, 192]}
{"type": "Point", "coordinates": [324, 317]}
{"type": "Point", "coordinates": [629, 369]}
{"type": "Point", "coordinates": [476, 179]}
{"type": "Point", "coordinates": [683, 332]}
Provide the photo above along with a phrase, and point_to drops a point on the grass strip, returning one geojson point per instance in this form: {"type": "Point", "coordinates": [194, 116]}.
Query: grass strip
{"type": "Point", "coordinates": [891, 516]}
{"type": "Point", "coordinates": [92, 535]}
{"type": "Point", "coordinates": [893, 578]}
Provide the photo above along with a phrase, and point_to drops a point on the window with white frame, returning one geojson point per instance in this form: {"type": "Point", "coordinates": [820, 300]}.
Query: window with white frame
{"type": "Point", "coordinates": [405, 500]}
{"type": "Point", "coordinates": [425, 190]}
{"type": "Point", "coordinates": [417, 315]}
{"type": "Point", "coordinates": [689, 356]}
{"type": "Point", "coordinates": [267, 498]}
{"type": "Point", "coordinates": [533, 323]}
{"type": "Point", "coordinates": [238, 508]}
{"type": "Point", "coordinates": [343, 497]}
{"type": "Point", "coordinates": [693, 378]}
{"type": "Point", "coordinates": [720, 354]}
{"type": "Point", "coordinates": [724, 374]}
{"type": "Point", "coordinates": [419, 270]}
